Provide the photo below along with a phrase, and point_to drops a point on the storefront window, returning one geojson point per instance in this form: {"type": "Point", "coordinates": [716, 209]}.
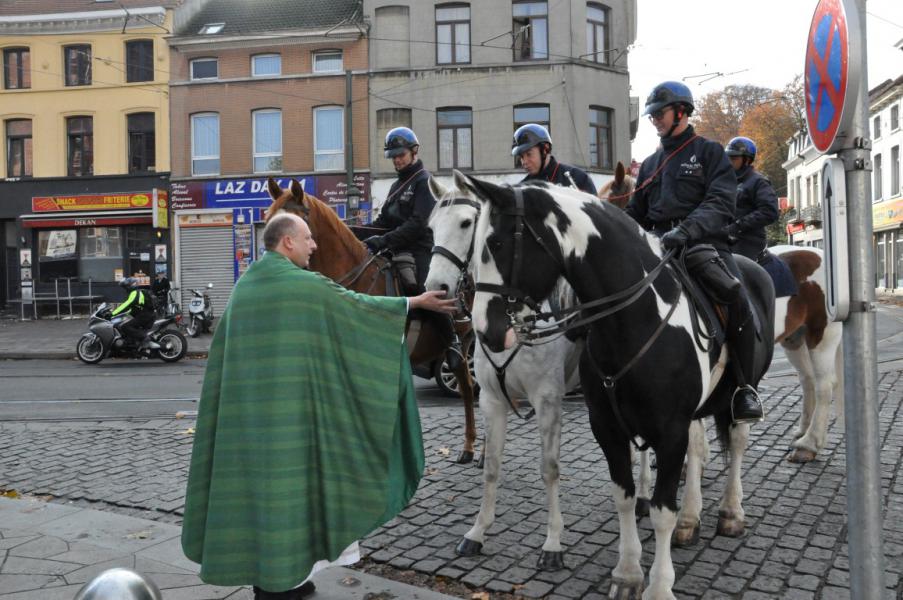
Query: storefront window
{"type": "Point", "coordinates": [880, 262]}
{"type": "Point", "coordinates": [898, 260]}
{"type": "Point", "coordinates": [101, 253]}
{"type": "Point", "coordinates": [57, 254]}
{"type": "Point", "coordinates": [140, 245]}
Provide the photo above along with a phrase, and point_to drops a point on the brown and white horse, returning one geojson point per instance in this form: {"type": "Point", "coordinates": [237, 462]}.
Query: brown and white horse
{"type": "Point", "coordinates": [618, 190]}
{"type": "Point", "coordinates": [339, 253]}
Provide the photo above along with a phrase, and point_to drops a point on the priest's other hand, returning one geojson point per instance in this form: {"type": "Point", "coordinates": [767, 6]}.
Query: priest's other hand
{"type": "Point", "coordinates": [435, 301]}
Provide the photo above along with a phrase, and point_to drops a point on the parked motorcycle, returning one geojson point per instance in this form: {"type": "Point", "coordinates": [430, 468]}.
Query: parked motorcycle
{"type": "Point", "coordinates": [104, 339]}
{"type": "Point", "coordinates": [200, 313]}
{"type": "Point", "coordinates": [166, 304]}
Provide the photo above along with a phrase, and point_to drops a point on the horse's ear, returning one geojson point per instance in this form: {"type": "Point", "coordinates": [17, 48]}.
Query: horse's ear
{"type": "Point", "coordinates": [619, 173]}
{"type": "Point", "coordinates": [297, 190]}
{"type": "Point", "coordinates": [460, 180]}
{"type": "Point", "coordinates": [437, 188]}
{"type": "Point", "coordinates": [483, 190]}
{"type": "Point", "coordinates": [273, 188]}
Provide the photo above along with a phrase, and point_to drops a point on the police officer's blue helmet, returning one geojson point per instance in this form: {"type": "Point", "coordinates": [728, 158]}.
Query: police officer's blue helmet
{"type": "Point", "coordinates": [529, 135]}
{"type": "Point", "coordinates": [668, 93]}
{"type": "Point", "coordinates": [741, 146]}
{"type": "Point", "coordinates": [398, 140]}
{"type": "Point", "coordinates": [129, 283]}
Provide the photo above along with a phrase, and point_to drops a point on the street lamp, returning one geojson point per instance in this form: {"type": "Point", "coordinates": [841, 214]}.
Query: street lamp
{"type": "Point", "coordinates": [353, 197]}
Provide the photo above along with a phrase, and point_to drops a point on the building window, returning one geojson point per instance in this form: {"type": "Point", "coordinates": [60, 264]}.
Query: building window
{"type": "Point", "coordinates": [530, 113]}
{"type": "Point", "coordinates": [878, 177]}
{"type": "Point", "coordinates": [597, 33]}
{"type": "Point", "coordinates": [388, 119]}
{"type": "Point", "coordinates": [16, 68]}
{"type": "Point", "coordinates": [57, 254]}
{"type": "Point", "coordinates": [80, 132]}
{"type": "Point", "coordinates": [531, 30]}
{"type": "Point", "coordinates": [600, 121]}
{"type": "Point", "coordinates": [329, 138]}
{"type": "Point", "coordinates": [267, 128]}
{"type": "Point", "coordinates": [18, 148]}
{"type": "Point", "coordinates": [77, 61]}
{"type": "Point", "coordinates": [100, 253]}
{"type": "Point", "coordinates": [211, 28]}
{"type": "Point", "coordinates": [205, 144]}
{"type": "Point", "coordinates": [139, 60]}
{"type": "Point", "coordinates": [452, 34]}
{"type": "Point", "coordinates": [895, 170]}
{"type": "Point", "coordinates": [894, 118]}
{"type": "Point", "coordinates": [266, 65]}
{"type": "Point", "coordinates": [142, 143]}
{"type": "Point", "coordinates": [877, 126]}
{"type": "Point", "coordinates": [455, 126]}
{"type": "Point", "coordinates": [204, 68]}
{"type": "Point", "coordinates": [328, 62]}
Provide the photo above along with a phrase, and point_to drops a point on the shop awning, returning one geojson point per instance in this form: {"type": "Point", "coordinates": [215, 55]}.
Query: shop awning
{"type": "Point", "coordinates": [88, 219]}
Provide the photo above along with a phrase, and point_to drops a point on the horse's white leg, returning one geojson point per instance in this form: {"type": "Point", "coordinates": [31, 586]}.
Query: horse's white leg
{"type": "Point", "coordinates": [548, 410]}
{"type": "Point", "coordinates": [628, 570]}
{"type": "Point", "coordinates": [802, 362]}
{"type": "Point", "coordinates": [823, 358]}
{"type": "Point", "coordinates": [731, 517]}
{"type": "Point", "coordinates": [661, 576]}
{"type": "Point", "coordinates": [687, 525]}
{"type": "Point", "coordinates": [495, 417]}
{"type": "Point", "coordinates": [644, 482]}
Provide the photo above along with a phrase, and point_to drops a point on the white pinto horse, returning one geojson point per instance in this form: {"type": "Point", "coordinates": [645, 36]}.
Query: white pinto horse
{"type": "Point", "coordinates": [542, 374]}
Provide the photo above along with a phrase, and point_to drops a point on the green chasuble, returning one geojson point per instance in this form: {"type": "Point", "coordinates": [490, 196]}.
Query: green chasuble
{"type": "Point", "coordinates": [307, 436]}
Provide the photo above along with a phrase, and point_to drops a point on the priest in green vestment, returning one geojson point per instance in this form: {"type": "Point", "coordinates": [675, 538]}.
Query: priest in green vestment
{"type": "Point", "coordinates": [308, 435]}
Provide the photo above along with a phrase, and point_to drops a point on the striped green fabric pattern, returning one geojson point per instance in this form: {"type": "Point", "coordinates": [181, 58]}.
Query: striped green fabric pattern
{"type": "Point", "coordinates": [308, 435]}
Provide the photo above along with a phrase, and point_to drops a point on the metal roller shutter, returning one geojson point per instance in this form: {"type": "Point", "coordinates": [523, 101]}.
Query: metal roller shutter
{"type": "Point", "coordinates": [205, 256]}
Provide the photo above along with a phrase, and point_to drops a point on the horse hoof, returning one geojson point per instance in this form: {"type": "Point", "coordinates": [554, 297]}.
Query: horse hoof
{"type": "Point", "coordinates": [625, 590]}
{"type": "Point", "coordinates": [642, 507]}
{"type": "Point", "coordinates": [801, 455]}
{"type": "Point", "coordinates": [731, 527]}
{"type": "Point", "coordinates": [550, 561]}
{"type": "Point", "coordinates": [465, 457]}
{"type": "Point", "coordinates": [685, 536]}
{"type": "Point", "coordinates": [482, 461]}
{"type": "Point", "coordinates": [468, 547]}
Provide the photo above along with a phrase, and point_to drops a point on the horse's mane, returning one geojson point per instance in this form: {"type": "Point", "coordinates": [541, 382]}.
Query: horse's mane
{"type": "Point", "coordinates": [326, 218]}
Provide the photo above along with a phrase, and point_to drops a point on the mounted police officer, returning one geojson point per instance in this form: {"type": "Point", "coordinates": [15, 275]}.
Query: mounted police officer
{"type": "Point", "coordinates": [140, 307]}
{"type": "Point", "coordinates": [404, 215]}
{"type": "Point", "coordinates": [686, 195]}
{"type": "Point", "coordinates": [757, 204]}
{"type": "Point", "coordinates": [533, 146]}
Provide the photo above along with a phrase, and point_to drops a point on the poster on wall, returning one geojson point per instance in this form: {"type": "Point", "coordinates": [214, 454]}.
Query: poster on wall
{"type": "Point", "coordinates": [58, 243]}
{"type": "Point", "coordinates": [25, 258]}
{"type": "Point", "coordinates": [160, 268]}
{"type": "Point", "coordinates": [242, 245]}
{"type": "Point", "coordinates": [160, 253]}
{"type": "Point", "coordinates": [26, 274]}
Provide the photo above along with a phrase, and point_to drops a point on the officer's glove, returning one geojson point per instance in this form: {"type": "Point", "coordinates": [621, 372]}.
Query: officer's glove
{"type": "Point", "coordinates": [676, 238]}
{"type": "Point", "coordinates": [375, 243]}
{"type": "Point", "coordinates": [732, 232]}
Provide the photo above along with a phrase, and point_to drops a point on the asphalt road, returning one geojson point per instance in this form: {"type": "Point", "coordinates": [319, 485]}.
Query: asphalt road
{"type": "Point", "coordinates": [123, 389]}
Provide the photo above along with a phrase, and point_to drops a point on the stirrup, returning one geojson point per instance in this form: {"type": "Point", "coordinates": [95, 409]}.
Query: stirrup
{"type": "Point", "coordinates": [454, 356]}
{"type": "Point", "coordinates": [748, 419]}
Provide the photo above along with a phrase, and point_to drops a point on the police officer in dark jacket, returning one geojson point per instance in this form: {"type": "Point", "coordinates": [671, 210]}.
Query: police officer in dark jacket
{"type": "Point", "coordinates": [757, 204]}
{"type": "Point", "coordinates": [686, 194]}
{"type": "Point", "coordinates": [533, 146]}
{"type": "Point", "coordinates": [405, 215]}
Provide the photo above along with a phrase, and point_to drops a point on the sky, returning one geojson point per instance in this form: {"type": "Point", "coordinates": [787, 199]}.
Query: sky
{"type": "Point", "coordinates": [759, 42]}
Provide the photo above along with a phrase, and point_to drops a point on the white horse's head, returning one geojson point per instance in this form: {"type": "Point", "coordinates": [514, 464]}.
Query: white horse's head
{"type": "Point", "coordinates": [453, 222]}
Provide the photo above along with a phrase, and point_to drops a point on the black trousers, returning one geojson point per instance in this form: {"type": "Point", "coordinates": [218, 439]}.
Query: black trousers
{"type": "Point", "coordinates": [741, 328]}
{"type": "Point", "coordinates": [137, 327]}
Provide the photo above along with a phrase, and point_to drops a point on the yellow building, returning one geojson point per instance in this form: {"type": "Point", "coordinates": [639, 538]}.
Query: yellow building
{"type": "Point", "coordinates": [84, 105]}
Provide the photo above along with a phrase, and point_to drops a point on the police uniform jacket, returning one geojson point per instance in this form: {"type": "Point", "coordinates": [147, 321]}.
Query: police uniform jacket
{"type": "Point", "coordinates": [407, 210]}
{"type": "Point", "coordinates": [757, 207]}
{"type": "Point", "coordinates": [554, 172]}
{"type": "Point", "coordinates": [696, 187]}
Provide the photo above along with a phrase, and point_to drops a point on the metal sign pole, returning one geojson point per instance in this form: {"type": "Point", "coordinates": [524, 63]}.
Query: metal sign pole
{"type": "Point", "coordinates": [861, 407]}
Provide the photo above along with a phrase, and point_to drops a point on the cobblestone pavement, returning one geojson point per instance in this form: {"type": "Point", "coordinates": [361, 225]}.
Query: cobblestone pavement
{"type": "Point", "coordinates": [794, 547]}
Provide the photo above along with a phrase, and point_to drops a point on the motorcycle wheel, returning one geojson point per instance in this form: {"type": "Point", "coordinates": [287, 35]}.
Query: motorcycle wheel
{"type": "Point", "coordinates": [445, 378]}
{"type": "Point", "coordinates": [193, 328]}
{"type": "Point", "coordinates": [173, 345]}
{"type": "Point", "coordinates": [89, 349]}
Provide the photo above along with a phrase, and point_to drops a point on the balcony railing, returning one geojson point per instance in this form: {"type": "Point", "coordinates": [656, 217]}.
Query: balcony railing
{"type": "Point", "coordinates": [811, 214]}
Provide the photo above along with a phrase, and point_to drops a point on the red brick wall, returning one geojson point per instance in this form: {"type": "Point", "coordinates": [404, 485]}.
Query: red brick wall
{"type": "Point", "coordinates": [234, 101]}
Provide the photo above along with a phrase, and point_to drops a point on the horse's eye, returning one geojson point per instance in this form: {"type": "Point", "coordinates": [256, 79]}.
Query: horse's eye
{"type": "Point", "coordinates": [466, 223]}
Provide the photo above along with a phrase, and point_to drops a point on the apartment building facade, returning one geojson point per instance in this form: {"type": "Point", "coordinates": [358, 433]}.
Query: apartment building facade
{"type": "Point", "coordinates": [85, 116]}
{"type": "Point", "coordinates": [259, 91]}
{"type": "Point", "coordinates": [465, 75]}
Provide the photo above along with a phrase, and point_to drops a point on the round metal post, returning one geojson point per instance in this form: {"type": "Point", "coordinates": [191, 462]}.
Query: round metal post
{"type": "Point", "coordinates": [864, 499]}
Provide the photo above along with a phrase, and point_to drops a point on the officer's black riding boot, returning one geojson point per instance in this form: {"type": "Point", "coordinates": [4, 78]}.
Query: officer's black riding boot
{"type": "Point", "coordinates": [454, 355]}
{"type": "Point", "coordinates": [745, 404]}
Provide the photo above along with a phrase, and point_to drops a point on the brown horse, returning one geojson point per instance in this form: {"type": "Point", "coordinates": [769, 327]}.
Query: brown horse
{"type": "Point", "coordinates": [344, 259]}
{"type": "Point", "coordinates": [618, 190]}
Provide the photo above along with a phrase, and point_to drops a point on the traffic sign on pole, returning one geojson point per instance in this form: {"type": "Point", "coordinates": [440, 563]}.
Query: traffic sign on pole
{"type": "Point", "coordinates": [831, 75]}
{"type": "Point", "coordinates": [834, 220]}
